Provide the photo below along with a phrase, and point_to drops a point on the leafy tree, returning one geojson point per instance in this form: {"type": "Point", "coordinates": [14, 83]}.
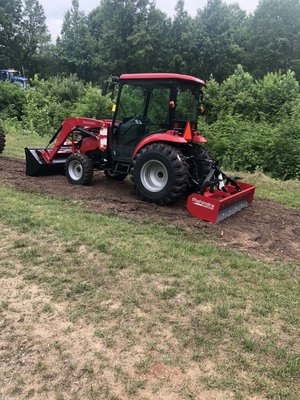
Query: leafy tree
{"type": "Point", "coordinates": [235, 96]}
{"type": "Point", "coordinates": [117, 29]}
{"type": "Point", "coordinates": [35, 34]}
{"type": "Point", "coordinates": [75, 47]}
{"type": "Point", "coordinates": [10, 33]}
{"type": "Point", "coordinates": [182, 40]}
{"type": "Point", "coordinates": [255, 123]}
{"type": "Point", "coordinates": [272, 98]}
{"type": "Point", "coordinates": [216, 31]}
{"type": "Point", "coordinates": [272, 37]}
{"type": "Point", "coordinates": [131, 36]}
{"type": "Point", "coordinates": [277, 96]}
{"type": "Point", "coordinates": [155, 48]}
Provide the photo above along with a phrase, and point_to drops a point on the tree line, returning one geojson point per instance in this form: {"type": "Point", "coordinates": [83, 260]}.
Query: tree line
{"type": "Point", "coordinates": [135, 36]}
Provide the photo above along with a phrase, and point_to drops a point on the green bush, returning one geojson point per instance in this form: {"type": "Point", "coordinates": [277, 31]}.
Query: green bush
{"type": "Point", "coordinates": [93, 105]}
{"type": "Point", "coordinates": [239, 144]}
{"type": "Point", "coordinates": [255, 124]}
{"type": "Point", "coordinates": [58, 98]}
{"type": "Point", "coordinates": [285, 153]}
{"type": "Point", "coordinates": [36, 112]}
{"type": "Point", "coordinates": [51, 101]}
{"type": "Point", "coordinates": [12, 101]}
{"type": "Point", "coordinates": [270, 99]}
{"type": "Point", "coordinates": [277, 95]}
{"type": "Point", "coordinates": [243, 145]}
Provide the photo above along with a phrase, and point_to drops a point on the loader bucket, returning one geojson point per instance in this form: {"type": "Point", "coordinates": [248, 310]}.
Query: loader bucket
{"type": "Point", "coordinates": [214, 206]}
{"type": "Point", "coordinates": [36, 165]}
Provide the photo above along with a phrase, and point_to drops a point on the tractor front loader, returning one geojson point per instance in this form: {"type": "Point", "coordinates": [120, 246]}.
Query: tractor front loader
{"type": "Point", "coordinates": [153, 137]}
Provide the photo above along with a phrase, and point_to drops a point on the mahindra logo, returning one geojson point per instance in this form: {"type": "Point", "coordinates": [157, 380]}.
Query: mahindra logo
{"type": "Point", "coordinates": [202, 203]}
{"type": "Point", "coordinates": [89, 122]}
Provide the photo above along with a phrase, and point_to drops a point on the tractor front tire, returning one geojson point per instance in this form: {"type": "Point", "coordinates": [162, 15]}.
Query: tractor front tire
{"type": "Point", "coordinates": [116, 176]}
{"type": "Point", "coordinates": [2, 140]}
{"type": "Point", "coordinates": [79, 169]}
{"type": "Point", "coordinates": [160, 173]}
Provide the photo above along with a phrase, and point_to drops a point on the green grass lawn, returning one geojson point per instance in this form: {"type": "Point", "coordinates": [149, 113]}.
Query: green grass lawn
{"type": "Point", "coordinates": [284, 192]}
{"type": "Point", "coordinates": [98, 307]}
{"type": "Point", "coordinates": [16, 141]}
{"type": "Point", "coordinates": [95, 307]}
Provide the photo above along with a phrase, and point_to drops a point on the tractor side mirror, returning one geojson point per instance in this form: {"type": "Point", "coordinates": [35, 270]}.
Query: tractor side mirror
{"type": "Point", "coordinates": [114, 82]}
{"type": "Point", "coordinates": [112, 87]}
{"type": "Point", "coordinates": [109, 86]}
{"type": "Point", "coordinates": [105, 88]}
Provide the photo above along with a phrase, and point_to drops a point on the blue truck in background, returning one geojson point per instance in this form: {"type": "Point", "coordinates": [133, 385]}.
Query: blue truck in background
{"type": "Point", "coordinates": [13, 76]}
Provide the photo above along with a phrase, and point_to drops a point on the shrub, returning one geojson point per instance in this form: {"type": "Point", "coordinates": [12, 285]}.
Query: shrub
{"type": "Point", "coordinates": [93, 105]}
{"type": "Point", "coordinates": [244, 145]}
{"type": "Point", "coordinates": [239, 144]}
{"type": "Point", "coordinates": [12, 101]}
{"type": "Point", "coordinates": [51, 102]}
{"type": "Point", "coordinates": [277, 95]}
{"type": "Point", "coordinates": [285, 153]}
{"type": "Point", "coordinates": [270, 99]}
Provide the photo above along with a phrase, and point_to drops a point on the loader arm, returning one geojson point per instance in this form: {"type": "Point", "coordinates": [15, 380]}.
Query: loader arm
{"type": "Point", "coordinates": [68, 126]}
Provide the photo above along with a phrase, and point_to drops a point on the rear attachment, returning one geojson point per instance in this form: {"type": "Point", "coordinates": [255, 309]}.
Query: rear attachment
{"type": "Point", "coordinates": [219, 197]}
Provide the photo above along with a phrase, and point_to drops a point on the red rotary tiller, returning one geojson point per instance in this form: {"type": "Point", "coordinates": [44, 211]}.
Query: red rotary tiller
{"type": "Point", "coordinates": [219, 197]}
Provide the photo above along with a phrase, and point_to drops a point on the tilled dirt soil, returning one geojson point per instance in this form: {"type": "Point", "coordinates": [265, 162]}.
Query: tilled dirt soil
{"type": "Point", "coordinates": [265, 229]}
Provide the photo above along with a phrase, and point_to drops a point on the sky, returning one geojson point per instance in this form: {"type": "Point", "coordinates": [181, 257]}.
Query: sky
{"type": "Point", "coordinates": [55, 9]}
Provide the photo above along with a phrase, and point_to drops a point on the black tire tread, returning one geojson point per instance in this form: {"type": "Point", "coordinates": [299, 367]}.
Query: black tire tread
{"type": "Point", "coordinates": [2, 140]}
{"type": "Point", "coordinates": [88, 170]}
{"type": "Point", "coordinates": [179, 167]}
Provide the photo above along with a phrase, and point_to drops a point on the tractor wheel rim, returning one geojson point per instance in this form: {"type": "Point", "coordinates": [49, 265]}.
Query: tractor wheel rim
{"type": "Point", "coordinates": [154, 176]}
{"type": "Point", "coordinates": [75, 170]}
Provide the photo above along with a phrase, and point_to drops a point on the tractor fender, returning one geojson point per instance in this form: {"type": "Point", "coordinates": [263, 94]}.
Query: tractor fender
{"type": "Point", "coordinates": [171, 137]}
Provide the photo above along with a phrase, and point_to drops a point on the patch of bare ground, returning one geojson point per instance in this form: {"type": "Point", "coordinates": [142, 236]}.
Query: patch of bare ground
{"type": "Point", "coordinates": [266, 229]}
{"type": "Point", "coordinates": [130, 353]}
{"type": "Point", "coordinates": [45, 355]}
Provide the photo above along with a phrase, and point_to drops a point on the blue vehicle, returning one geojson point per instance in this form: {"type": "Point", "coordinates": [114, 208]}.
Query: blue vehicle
{"type": "Point", "coordinates": [13, 76]}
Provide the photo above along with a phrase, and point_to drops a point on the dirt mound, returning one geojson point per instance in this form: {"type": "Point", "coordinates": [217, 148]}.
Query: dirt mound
{"type": "Point", "coordinates": [265, 229]}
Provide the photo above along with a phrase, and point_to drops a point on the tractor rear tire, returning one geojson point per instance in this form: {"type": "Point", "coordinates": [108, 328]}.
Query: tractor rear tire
{"type": "Point", "coordinates": [2, 140]}
{"type": "Point", "coordinates": [160, 173]}
{"type": "Point", "coordinates": [79, 169]}
{"type": "Point", "coordinates": [116, 176]}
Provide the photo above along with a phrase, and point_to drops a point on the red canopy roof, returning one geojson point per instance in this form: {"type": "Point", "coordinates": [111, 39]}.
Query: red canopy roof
{"type": "Point", "coordinates": [162, 76]}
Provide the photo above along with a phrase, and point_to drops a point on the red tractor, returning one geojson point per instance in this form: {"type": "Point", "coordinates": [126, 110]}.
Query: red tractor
{"type": "Point", "coordinates": [153, 137]}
